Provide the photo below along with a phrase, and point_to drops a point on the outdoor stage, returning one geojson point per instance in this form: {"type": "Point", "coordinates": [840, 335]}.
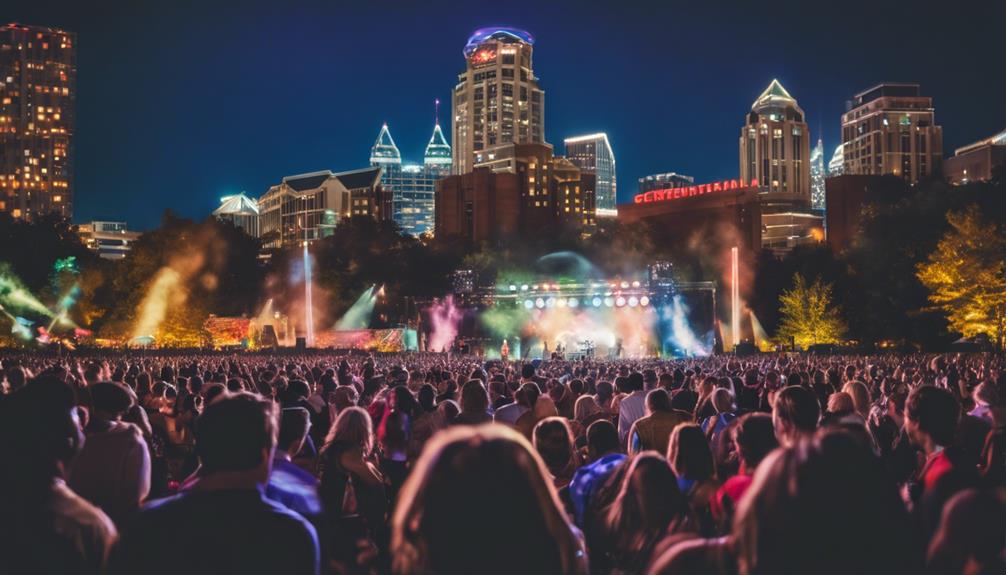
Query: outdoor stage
{"type": "Point", "coordinates": [643, 316]}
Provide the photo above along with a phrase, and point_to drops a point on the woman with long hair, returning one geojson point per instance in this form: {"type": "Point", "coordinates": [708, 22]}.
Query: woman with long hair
{"type": "Point", "coordinates": [649, 508]}
{"type": "Point", "coordinates": [692, 461]}
{"type": "Point", "coordinates": [463, 468]}
{"type": "Point", "coordinates": [474, 404]}
{"type": "Point", "coordinates": [352, 488]}
{"type": "Point", "coordinates": [554, 442]}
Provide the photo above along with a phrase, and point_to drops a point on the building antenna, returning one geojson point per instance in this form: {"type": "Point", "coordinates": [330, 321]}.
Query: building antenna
{"type": "Point", "coordinates": [436, 112]}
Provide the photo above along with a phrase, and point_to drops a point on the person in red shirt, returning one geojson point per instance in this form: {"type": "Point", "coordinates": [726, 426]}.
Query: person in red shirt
{"type": "Point", "coordinates": [931, 418]}
{"type": "Point", "coordinates": [754, 438]}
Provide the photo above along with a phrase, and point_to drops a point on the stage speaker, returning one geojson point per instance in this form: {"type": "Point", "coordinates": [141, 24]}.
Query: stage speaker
{"type": "Point", "coordinates": [301, 343]}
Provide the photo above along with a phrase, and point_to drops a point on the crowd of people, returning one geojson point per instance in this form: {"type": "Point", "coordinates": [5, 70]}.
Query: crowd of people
{"type": "Point", "coordinates": [440, 464]}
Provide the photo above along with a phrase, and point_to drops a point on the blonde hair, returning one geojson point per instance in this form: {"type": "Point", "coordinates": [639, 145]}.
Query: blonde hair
{"type": "Point", "coordinates": [860, 396]}
{"type": "Point", "coordinates": [353, 426]}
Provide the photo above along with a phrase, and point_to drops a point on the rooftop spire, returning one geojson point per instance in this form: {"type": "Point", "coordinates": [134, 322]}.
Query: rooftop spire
{"type": "Point", "coordinates": [385, 151]}
{"type": "Point", "coordinates": [438, 151]}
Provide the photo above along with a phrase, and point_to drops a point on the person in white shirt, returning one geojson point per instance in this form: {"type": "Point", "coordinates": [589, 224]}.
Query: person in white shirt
{"type": "Point", "coordinates": [524, 398]}
{"type": "Point", "coordinates": [632, 407]}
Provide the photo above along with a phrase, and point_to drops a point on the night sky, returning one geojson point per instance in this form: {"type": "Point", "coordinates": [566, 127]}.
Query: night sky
{"type": "Point", "coordinates": [180, 102]}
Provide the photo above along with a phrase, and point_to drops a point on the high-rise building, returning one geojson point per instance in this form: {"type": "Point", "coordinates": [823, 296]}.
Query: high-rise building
{"type": "Point", "coordinates": [497, 100]}
{"type": "Point", "coordinates": [836, 165]}
{"type": "Point", "coordinates": [775, 156]}
{"type": "Point", "coordinates": [774, 145]}
{"type": "Point", "coordinates": [891, 129]}
{"type": "Point", "coordinates": [111, 240]}
{"type": "Point", "coordinates": [241, 211]}
{"type": "Point", "coordinates": [818, 173]}
{"type": "Point", "coordinates": [38, 77]}
{"type": "Point", "coordinates": [976, 162]}
{"type": "Point", "coordinates": [412, 186]}
{"type": "Point", "coordinates": [307, 207]}
{"type": "Point", "coordinates": [593, 155]}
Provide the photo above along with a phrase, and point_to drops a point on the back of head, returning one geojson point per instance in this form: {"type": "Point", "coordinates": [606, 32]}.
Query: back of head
{"type": "Point", "coordinates": [474, 398]}
{"type": "Point", "coordinates": [294, 423]}
{"type": "Point", "coordinates": [935, 412]}
{"type": "Point", "coordinates": [824, 505]}
{"type": "Point", "coordinates": [723, 400]}
{"type": "Point", "coordinates": [635, 382]}
{"type": "Point", "coordinates": [602, 438]}
{"type": "Point", "coordinates": [554, 442]}
{"type": "Point", "coordinates": [459, 471]}
{"type": "Point", "coordinates": [755, 438]}
{"type": "Point", "coordinates": [658, 400]}
{"type": "Point", "coordinates": [111, 398]}
{"type": "Point", "coordinates": [689, 454]}
{"type": "Point", "coordinates": [648, 501]}
{"type": "Point", "coordinates": [235, 433]}
{"type": "Point", "coordinates": [797, 408]}
{"type": "Point", "coordinates": [41, 434]}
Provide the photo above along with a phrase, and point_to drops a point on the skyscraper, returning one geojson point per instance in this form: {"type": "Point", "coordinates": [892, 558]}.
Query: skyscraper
{"type": "Point", "coordinates": [774, 147]}
{"type": "Point", "coordinates": [836, 165]}
{"type": "Point", "coordinates": [38, 76]}
{"type": "Point", "coordinates": [593, 155]}
{"type": "Point", "coordinates": [497, 100]}
{"type": "Point", "coordinates": [891, 129]}
{"type": "Point", "coordinates": [817, 176]}
{"type": "Point", "coordinates": [412, 186]}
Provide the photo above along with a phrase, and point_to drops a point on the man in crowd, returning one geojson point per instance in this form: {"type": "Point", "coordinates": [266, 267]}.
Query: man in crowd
{"type": "Point", "coordinates": [224, 523]}
{"type": "Point", "coordinates": [632, 407]}
{"type": "Point", "coordinates": [795, 414]}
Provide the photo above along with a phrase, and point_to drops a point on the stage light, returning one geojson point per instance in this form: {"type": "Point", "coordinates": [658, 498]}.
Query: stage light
{"type": "Point", "coordinates": [633, 301]}
{"type": "Point", "coordinates": [625, 285]}
{"type": "Point", "coordinates": [513, 287]}
{"type": "Point", "coordinates": [561, 302]}
{"type": "Point", "coordinates": [534, 287]}
{"type": "Point", "coordinates": [596, 302]}
{"type": "Point", "coordinates": [523, 287]}
{"type": "Point", "coordinates": [528, 304]}
{"type": "Point", "coordinates": [635, 284]}
{"type": "Point", "coordinates": [609, 301]}
{"type": "Point", "coordinates": [607, 293]}
{"type": "Point", "coordinates": [573, 302]}
{"type": "Point", "coordinates": [539, 303]}
{"type": "Point", "coordinates": [644, 301]}
{"type": "Point", "coordinates": [550, 302]}
{"type": "Point", "coordinates": [620, 301]}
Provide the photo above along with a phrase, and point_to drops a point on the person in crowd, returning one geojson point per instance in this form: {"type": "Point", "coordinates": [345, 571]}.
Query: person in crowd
{"type": "Point", "coordinates": [289, 484]}
{"type": "Point", "coordinates": [652, 432]}
{"type": "Point", "coordinates": [753, 439]}
{"type": "Point", "coordinates": [524, 398]}
{"type": "Point", "coordinates": [931, 418]}
{"type": "Point", "coordinates": [604, 456]}
{"type": "Point", "coordinates": [795, 414]}
{"type": "Point", "coordinates": [543, 407]}
{"type": "Point", "coordinates": [632, 406]}
{"type": "Point", "coordinates": [648, 510]}
{"type": "Point", "coordinates": [823, 505]}
{"type": "Point", "coordinates": [351, 484]}
{"type": "Point", "coordinates": [457, 472]}
{"type": "Point", "coordinates": [45, 527]}
{"type": "Point", "coordinates": [554, 443]}
{"type": "Point", "coordinates": [474, 404]}
{"type": "Point", "coordinates": [112, 470]}
{"type": "Point", "coordinates": [586, 412]}
{"type": "Point", "coordinates": [692, 461]}
{"type": "Point", "coordinates": [971, 535]}
{"type": "Point", "coordinates": [224, 523]}
{"type": "Point", "coordinates": [860, 395]}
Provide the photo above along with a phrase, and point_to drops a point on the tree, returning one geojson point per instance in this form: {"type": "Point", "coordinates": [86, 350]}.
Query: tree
{"type": "Point", "coordinates": [966, 275]}
{"type": "Point", "coordinates": [808, 315]}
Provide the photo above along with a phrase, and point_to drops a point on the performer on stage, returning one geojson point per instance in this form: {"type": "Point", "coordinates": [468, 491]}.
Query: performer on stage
{"type": "Point", "coordinates": [505, 350]}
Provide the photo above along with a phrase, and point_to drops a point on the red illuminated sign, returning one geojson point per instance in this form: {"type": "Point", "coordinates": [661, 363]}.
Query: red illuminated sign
{"type": "Point", "coordinates": [665, 194]}
{"type": "Point", "coordinates": [483, 56]}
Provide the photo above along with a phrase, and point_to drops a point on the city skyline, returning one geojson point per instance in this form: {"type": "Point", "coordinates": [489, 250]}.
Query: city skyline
{"type": "Point", "coordinates": [213, 101]}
